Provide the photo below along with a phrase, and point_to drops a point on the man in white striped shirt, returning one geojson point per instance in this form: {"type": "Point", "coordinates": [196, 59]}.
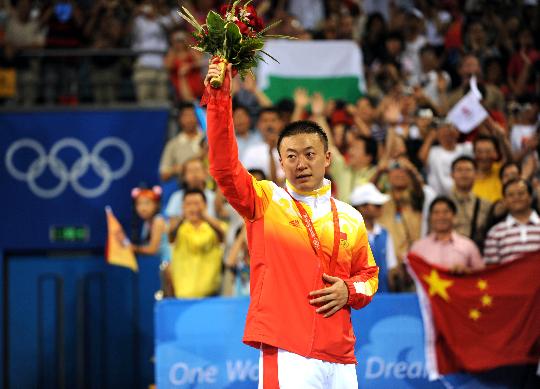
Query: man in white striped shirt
{"type": "Point", "coordinates": [519, 233]}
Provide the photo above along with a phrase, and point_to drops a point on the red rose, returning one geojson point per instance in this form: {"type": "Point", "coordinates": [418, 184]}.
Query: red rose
{"type": "Point", "coordinates": [244, 28]}
{"type": "Point", "coordinates": [223, 10]}
{"type": "Point", "coordinates": [252, 11]}
{"type": "Point", "coordinates": [259, 24]}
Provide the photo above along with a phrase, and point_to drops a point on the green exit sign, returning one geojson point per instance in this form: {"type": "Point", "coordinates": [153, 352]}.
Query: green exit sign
{"type": "Point", "coordinates": [69, 234]}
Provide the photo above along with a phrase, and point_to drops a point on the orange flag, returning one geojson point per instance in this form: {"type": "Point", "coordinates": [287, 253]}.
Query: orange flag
{"type": "Point", "coordinates": [117, 250]}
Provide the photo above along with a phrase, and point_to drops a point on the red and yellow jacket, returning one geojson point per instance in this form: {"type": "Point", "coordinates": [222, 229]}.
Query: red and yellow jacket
{"type": "Point", "coordinates": [284, 266]}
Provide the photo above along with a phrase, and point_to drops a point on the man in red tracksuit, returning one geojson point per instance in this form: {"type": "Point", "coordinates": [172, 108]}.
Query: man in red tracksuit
{"type": "Point", "coordinates": [310, 257]}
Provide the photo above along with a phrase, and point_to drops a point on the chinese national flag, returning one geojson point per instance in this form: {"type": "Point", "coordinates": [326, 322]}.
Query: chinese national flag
{"type": "Point", "coordinates": [479, 321]}
{"type": "Point", "coordinates": [117, 250]}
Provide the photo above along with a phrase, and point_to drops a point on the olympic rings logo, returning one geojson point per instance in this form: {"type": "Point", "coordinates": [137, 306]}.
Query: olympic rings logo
{"type": "Point", "coordinates": [77, 170]}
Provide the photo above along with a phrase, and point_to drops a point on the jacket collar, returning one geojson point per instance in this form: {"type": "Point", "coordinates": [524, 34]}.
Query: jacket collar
{"type": "Point", "coordinates": [324, 192]}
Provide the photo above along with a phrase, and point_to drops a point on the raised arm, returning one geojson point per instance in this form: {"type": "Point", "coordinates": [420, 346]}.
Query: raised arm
{"type": "Point", "coordinates": [249, 197]}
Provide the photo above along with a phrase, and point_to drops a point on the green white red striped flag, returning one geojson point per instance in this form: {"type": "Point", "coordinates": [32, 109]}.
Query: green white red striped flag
{"type": "Point", "coordinates": [333, 68]}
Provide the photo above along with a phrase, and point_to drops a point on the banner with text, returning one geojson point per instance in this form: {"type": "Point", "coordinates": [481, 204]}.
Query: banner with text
{"type": "Point", "coordinates": [59, 170]}
{"type": "Point", "coordinates": [199, 344]}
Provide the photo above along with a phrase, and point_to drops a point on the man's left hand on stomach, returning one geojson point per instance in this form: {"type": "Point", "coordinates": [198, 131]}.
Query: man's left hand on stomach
{"type": "Point", "coordinates": [331, 299]}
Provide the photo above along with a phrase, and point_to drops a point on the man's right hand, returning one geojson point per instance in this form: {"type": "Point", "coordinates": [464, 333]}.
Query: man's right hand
{"type": "Point", "coordinates": [213, 71]}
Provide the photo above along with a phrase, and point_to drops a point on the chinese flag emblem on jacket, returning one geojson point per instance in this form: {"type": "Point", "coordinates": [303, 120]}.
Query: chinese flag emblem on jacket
{"type": "Point", "coordinates": [479, 321]}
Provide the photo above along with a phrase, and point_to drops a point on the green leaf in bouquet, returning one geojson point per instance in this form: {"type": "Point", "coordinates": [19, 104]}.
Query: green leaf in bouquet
{"type": "Point", "coordinates": [214, 22]}
{"type": "Point", "coordinates": [188, 17]}
{"type": "Point", "coordinates": [265, 53]}
{"type": "Point", "coordinates": [270, 26]}
{"type": "Point", "coordinates": [281, 36]}
{"type": "Point", "coordinates": [233, 38]}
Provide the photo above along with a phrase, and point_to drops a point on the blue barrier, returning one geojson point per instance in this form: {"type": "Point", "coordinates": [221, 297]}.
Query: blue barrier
{"type": "Point", "coordinates": [58, 170]}
{"type": "Point", "coordinates": [75, 322]}
{"type": "Point", "coordinates": [198, 345]}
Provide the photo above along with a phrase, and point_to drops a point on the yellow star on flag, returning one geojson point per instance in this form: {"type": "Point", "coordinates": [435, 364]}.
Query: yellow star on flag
{"type": "Point", "coordinates": [486, 300]}
{"type": "Point", "coordinates": [437, 285]}
{"type": "Point", "coordinates": [474, 314]}
{"type": "Point", "coordinates": [482, 284]}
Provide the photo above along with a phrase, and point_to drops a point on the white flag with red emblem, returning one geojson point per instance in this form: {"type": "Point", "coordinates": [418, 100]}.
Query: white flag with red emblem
{"type": "Point", "coordinates": [468, 112]}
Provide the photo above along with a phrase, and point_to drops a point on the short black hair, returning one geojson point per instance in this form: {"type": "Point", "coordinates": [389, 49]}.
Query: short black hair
{"type": "Point", "coordinates": [464, 158]}
{"type": "Point", "coordinates": [488, 138]}
{"type": "Point", "coordinates": [253, 172]}
{"type": "Point", "coordinates": [370, 145]}
{"type": "Point", "coordinates": [395, 35]}
{"type": "Point", "coordinates": [188, 161]}
{"type": "Point", "coordinates": [190, 191]}
{"type": "Point", "coordinates": [515, 181]}
{"type": "Point", "coordinates": [303, 127]}
{"type": "Point", "coordinates": [506, 166]}
{"type": "Point", "coordinates": [269, 110]}
{"type": "Point", "coordinates": [185, 105]}
{"type": "Point", "coordinates": [242, 107]}
{"type": "Point", "coordinates": [428, 48]}
{"type": "Point", "coordinates": [443, 199]}
{"type": "Point", "coordinates": [285, 106]}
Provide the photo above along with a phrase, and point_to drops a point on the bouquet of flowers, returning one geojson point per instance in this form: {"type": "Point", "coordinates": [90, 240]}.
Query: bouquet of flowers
{"type": "Point", "coordinates": [236, 35]}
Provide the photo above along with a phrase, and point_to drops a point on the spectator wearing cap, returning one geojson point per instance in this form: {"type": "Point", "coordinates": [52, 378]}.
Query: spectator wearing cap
{"type": "Point", "coordinates": [368, 200]}
{"type": "Point", "coordinates": [438, 158]}
{"type": "Point", "coordinates": [519, 233]}
{"type": "Point", "coordinates": [445, 247]}
{"type": "Point", "coordinates": [471, 211]}
{"type": "Point", "coordinates": [402, 214]}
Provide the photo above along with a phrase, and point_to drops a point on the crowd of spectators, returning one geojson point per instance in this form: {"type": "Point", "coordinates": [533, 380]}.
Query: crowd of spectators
{"type": "Point", "coordinates": [420, 183]}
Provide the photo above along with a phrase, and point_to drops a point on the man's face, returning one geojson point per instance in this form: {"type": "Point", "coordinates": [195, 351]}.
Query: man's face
{"type": "Point", "coordinates": [270, 125]}
{"type": "Point", "coordinates": [517, 198]}
{"type": "Point", "coordinates": [370, 211]}
{"type": "Point", "coordinates": [188, 120]}
{"type": "Point", "coordinates": [469, 67]}
{"type": "Point", "coordinates": [399, 179]}
{"type": "Point", "coordinates": [511, 172]}
{"type": "Point", "coordinates": [464, 175]}
{"type": "Point", "coordinates": [193, 206]}
{"type": "Point", "coordinates": [477, 34]}
{"type": "Point", "coordinates": [485, 154]}
{"type": "Point", "coordinates": [357, 153]}
{"type": "Point", "coordinates": [195, 174]}
{"type": "Point", "coordinates": [447, 134]}
{"type": "Point", "coordinates": [304, 161]}
{"type": "Point", "coordinates": [441, 218]}
{"type": "Point", "coordinates": [393, 46]}
{"type": "Point", "coordinates": [365, 110]}
{"type": "Point", "coordinates": [241, 121]}
{"type": "Point", "coordinates": [428, 60]}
